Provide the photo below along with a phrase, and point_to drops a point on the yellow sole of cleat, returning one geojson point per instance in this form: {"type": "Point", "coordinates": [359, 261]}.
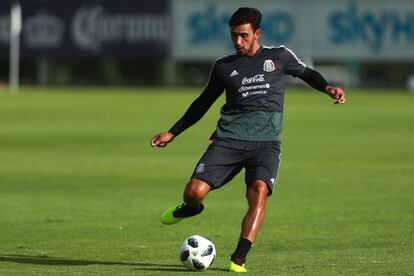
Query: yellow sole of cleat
{"type": "Point", "coordinates": [168, 218]}
{"type": "Point", "coordinates": [237, 268]}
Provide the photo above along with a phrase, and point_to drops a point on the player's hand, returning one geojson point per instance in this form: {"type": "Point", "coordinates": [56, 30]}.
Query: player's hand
{"type": "Point", "coordinates": [162, 139]}
{"type": "Point", "coordinates": [336, 93]}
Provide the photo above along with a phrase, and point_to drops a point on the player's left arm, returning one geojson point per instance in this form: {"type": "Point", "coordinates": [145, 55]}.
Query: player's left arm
{"type": "Point", "coordinates": [317, 81]}
{"type": "Point", "coordinates": [336, 93]}
{"type": "Point", "coordinates": [295, 67]}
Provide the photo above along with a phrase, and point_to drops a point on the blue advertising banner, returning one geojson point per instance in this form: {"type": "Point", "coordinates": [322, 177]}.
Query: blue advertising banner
{"type": "Point", "coordinates": [320, 29]}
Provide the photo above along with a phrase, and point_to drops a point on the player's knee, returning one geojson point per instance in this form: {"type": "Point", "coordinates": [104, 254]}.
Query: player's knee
{"type": "Point", "coordinates": [193, 195]}
{"type": "Point", "coordinates": [195, 192]}
{"type": "Point", "coordinates": [258, 189]}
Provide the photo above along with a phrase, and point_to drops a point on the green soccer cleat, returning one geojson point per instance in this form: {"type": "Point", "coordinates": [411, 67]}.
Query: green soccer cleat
{"type": "Point", "coordinates": [168, 217]}
{"type": "Point", "coordinates": [177, 213]}
{"type": "Point", "coordinates": [237, 268]}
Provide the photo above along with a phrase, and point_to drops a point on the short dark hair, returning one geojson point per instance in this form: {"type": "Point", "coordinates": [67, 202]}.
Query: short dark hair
{"type": "Point", "coordinates": [246, 15]}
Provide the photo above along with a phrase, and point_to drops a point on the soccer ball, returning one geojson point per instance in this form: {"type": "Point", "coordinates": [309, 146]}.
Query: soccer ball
{"type": "Point", "coordinates": [197, 253]}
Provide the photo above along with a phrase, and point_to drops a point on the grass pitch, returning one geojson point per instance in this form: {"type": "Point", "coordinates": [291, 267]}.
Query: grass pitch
{"type": "Point", "coordinates": [81, 191]}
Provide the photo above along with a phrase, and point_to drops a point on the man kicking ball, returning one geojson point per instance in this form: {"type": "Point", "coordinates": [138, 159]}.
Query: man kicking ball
{"type": "Point", "coordinates": [248, 132]}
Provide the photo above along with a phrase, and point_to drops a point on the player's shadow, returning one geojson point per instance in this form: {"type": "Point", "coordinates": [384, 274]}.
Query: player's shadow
{"type": "Point", "coordinates": [46, 260]}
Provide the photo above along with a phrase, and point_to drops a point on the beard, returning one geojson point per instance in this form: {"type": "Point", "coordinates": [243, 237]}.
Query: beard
{"type": "Point", "coordinates": [243, 50]}
{"type": "Point", "coordinates": [240, 50]}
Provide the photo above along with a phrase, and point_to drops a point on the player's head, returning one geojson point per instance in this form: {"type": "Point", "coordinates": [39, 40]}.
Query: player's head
{"type": "Point", "coordinates": [245, 30]}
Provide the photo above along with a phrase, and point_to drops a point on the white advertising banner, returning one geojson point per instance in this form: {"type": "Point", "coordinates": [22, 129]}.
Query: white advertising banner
{"type": "Point", "coordinates": [321, 29]}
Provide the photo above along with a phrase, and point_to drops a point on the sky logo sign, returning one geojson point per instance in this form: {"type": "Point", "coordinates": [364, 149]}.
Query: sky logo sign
{"type": "Point", "coordinates": [211, 26]}
{"type": "Point", "coordinates": [372, 28]}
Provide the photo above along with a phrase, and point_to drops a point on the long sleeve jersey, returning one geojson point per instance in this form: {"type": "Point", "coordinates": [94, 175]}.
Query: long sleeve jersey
{"type": "Point", "coordinates": [255, 89]}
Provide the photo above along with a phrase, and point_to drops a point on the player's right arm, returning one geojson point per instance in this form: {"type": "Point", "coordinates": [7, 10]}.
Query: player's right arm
{"type": "Point", "coordinates": [195, 112]}
{"type": "Point", "coordinates": [162, 139]}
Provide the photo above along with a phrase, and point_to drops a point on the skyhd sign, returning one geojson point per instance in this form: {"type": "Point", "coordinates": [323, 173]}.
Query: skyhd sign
{"type": "Point", "coordinates": [365, 30]}
{"type": "Point", "coordinates": [201, 27]}
{"type": "Point", "coordinates": [209, 24]}
{"type": "Point", "coordinates": [330, 30]}
{"type": "Point", "coordinates": [355, 25]}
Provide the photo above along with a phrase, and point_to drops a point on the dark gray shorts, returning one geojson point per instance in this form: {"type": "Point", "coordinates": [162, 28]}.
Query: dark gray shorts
{"type": "Point", "coordinates": [225, 158]}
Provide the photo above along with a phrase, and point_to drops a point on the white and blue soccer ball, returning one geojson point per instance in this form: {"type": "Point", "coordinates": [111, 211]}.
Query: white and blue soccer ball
{"type": "Point", "coordinates": [197, 253]}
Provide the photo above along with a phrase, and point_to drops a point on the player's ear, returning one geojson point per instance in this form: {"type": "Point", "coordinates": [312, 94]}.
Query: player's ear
{"type": "Point", "coordinates": [257, 33]}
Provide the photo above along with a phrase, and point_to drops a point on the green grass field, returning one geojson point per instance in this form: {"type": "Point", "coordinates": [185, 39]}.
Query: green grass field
{"type": "Point", "coordinates": [81, 191]}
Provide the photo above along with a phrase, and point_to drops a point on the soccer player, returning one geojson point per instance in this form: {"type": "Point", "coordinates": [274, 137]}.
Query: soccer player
{"type": "Point", "coordinates": [247, 134]}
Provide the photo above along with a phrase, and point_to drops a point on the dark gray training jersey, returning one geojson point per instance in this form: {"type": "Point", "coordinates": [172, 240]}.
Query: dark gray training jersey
{"type": "Point", "coordinates": [254, 94]}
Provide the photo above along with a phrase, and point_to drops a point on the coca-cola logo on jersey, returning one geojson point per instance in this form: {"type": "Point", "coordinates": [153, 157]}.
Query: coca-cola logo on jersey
{"type": "Point", "coordinates": [255, 79]}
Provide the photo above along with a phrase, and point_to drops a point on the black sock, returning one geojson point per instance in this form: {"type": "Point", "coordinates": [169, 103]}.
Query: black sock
{"type": "Point", "coordinates": [188, 211]}
{"type": "Point", "coordinates": [243, 247]}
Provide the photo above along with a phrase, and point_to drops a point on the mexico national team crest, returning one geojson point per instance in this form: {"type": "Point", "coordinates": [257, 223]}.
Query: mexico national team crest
{"type": "Point", "coordinates": [200, 168]}
{"type": "Point", "coordinates": [269, 66]}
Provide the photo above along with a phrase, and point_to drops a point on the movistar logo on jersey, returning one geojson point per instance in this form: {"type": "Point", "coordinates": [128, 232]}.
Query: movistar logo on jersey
{"type": "Point", "coordinates": [255, 79]}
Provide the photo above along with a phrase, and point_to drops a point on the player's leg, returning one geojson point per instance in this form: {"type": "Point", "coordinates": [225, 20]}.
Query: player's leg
{"type": "Point", "coordinates": [257, 194]}
{"type": "Point", "coordinates": [256, 197]}
{"type": "Point", "coordinates": [261, 172]}
{"type": "Point", "coordinates": [194, 193]}
{"type": "Point", "coordinates": [218, 165]}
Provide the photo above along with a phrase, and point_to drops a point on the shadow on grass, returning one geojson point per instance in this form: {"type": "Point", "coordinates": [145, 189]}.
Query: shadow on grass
{"type": "Point", "coordinates": [181, 270]}
{"type": "Point", "coordinates": [46, 260]}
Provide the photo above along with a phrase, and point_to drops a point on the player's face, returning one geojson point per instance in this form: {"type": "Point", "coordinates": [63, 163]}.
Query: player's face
{"type": "Point", "coordinates": [245, 39]}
